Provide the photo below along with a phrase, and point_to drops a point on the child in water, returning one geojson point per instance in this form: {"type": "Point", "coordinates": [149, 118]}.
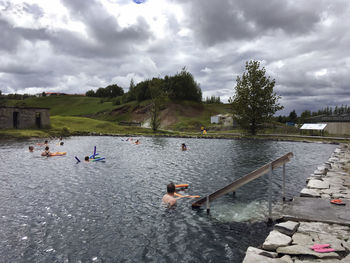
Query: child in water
{"type": "Point", "coordinates": [31, 148]}
{"type": "Point", "coordinates": [183, 147]}
{"type": "Point", "coordinates": [87, 159]}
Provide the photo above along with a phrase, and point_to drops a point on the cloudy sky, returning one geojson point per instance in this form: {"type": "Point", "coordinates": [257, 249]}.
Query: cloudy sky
{"type": "Point", "coordinates": [73, 46]}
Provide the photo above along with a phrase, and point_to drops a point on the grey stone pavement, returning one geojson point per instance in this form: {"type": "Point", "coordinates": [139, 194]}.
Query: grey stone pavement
{"type": "Point", "coordinates": [312, 219]}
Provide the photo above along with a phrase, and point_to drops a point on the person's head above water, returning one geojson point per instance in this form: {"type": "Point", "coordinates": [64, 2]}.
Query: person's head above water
{"type": "Point", "coordinates": [61, 143]}
{"type": "Point", "coordinates": [47, 148]}
{"type": "Point", "coordinates": [31, 148]}
{"type": "Point", "coordinates": [87, 158]}
{"type": "Point", "coordinates": [170, 188]}
{"type": "Point", "coordinates": [46, 142]}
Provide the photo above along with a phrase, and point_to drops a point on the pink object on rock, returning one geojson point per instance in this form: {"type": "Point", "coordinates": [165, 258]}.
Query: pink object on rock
{"type": "Point", "coordinates": [324, 250]}
{"type": "Point", "coordinates": [317, 246]}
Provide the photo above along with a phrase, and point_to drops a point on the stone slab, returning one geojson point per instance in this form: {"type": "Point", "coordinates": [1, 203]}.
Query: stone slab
{"type": "Point", "coordinates": [251, 257]}
{"type": "Point", "coordinates": [276, 239]}
{"type": "Point", "coordinates": [317, 184]}
{"type": "Point", "coordinates": [302, 239]}
{"type": "Point", "coordinates": [288, 228]}
{"type": "Point", "coordinates": [303, 250]}
{"type": "Point", "coordinates": [333, 260]}
{"type": "Point", "coordinates": [262, 252]}
{"type": "Point", "coordinates": [317, 209]}
{"type": "Point", "coordinates": [306, 192]}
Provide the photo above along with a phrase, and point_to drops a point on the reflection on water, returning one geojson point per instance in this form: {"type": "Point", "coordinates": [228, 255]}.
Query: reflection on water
{"type": "Point", "coordinates": [55, 210]}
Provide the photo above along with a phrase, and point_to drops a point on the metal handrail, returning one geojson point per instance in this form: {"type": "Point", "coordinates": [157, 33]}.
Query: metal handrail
{"type": "Point", "coordinates": [248, 178]}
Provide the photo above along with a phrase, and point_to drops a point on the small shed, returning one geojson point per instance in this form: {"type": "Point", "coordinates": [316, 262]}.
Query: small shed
{"type": "Point", "coordinates": [24, 117]}
{"type": "Point", "coordinates": [314, 127]}
{"type": "Point", "coordinates": [215, 119]}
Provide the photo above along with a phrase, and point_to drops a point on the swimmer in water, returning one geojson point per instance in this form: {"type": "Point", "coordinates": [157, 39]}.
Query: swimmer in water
{"type": "Point", "coordinates": [137, 142]}
{"type": "Point", "coordinates": [169, 198]}
{"type": "Point", "coordinates": [46, 152]}
{"type": "Point", "coordinates": [183, 147]}
{"type": "Point", "coordinates": [31, 148]}
{"type": "Point", "coordinates": [87, 159]}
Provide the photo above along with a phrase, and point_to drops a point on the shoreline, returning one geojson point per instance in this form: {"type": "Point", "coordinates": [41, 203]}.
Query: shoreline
{"type": "Point", "coordinates": [269, 137]}
{"type": "Point", "coordinates": [311, 219]}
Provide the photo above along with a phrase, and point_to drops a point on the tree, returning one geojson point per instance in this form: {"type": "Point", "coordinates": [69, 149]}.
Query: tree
{"type": "Point", "coordinates": [254, 101]}
{"type": "Point", "coordinates": [182, 86]}
{"type": "Point", "coordinates": [293, 116]}
{"type": "Point", "coordinates": [90, 93]}
{"type": "Point", "coordinates": [113, 91]}
{"type": "Point", "coordinates": [157, 96]}
{"type": "Point", "coordinates": [305, 115]}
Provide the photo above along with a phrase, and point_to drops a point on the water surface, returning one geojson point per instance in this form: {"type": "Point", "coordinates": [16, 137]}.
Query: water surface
{"type": "Point", "coordinates": [55, 210]}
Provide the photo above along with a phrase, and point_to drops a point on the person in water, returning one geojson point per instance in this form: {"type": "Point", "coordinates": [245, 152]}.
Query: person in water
{"type": "Point", "coordinates": [183, 147]}
{"type": "Point", "coordinates": [61, 143]}
{"type": "Point", "coordinates": [137, 142]}
{"type": "Point", "coordinates": [31, 148]}
{"type": "Point", "coordinates": [87, 159]}
{"type": "Point", "coordinates": [169, 197]}
{"type": "Point", "coordinates": [46, 152]}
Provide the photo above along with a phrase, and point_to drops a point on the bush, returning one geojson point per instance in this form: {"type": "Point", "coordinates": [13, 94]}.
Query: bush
{"type": "Point", "coordinates": [117, 101]}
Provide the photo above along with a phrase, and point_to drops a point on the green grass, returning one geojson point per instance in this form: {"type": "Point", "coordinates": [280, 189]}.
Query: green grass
{"type": "Point", "coordinates": [66, 105]}
{"type": "Point", "coordinates": [22, 133]}
{"type": "Point", "coordinates": [86, 125]}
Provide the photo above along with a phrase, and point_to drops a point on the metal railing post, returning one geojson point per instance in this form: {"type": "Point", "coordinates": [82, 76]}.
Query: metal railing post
{"type": "Point", "coordinates": [208, 205]}
{"type": "Point", "coordinates": [284, 183]}
{"type": "Point", "coordinates": [270, 192]}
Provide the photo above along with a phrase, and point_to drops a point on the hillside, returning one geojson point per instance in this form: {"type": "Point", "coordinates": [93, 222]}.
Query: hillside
{"type": "Point", "coordinates": [182, 115]}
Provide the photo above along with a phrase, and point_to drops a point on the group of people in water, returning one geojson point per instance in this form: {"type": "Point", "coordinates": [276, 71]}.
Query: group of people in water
{"type": "Point", "coordinates": [168, 199]}
{"type": "Point", "coordinates": [46, 151]}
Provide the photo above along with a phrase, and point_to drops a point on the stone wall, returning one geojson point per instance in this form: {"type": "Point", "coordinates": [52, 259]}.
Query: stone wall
{"type": "Point", "coordinates": [26, 117]}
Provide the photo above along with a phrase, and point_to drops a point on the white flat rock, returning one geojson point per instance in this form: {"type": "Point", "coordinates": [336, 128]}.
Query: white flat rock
{"type": "Point", "coordinates": [317, 184]}
{"type": "Point", "coordinates": [306, 192]}
{"type": "Point", "coordinates": [276, 239]}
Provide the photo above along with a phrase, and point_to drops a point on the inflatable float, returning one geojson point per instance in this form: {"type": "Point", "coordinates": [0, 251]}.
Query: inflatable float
{"type": "Point", "coordinates": [54, 154]}
{"type": "Point", "coordinates": [181, 185]}
{"type": "Point", "coordinates": [188, 196]}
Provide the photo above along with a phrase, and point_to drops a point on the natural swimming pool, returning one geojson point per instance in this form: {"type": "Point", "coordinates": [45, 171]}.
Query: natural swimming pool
{"type": "Point", "coordinates": [55, 210]}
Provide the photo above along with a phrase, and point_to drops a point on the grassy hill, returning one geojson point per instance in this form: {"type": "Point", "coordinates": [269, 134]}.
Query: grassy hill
{"type": "Point", "coordinates": [89, 114]}
{"type": "Point", "coordinates": [66, 105]}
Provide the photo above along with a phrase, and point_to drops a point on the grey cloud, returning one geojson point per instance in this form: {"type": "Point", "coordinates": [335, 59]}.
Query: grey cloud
{"type": "Point", "coordinates": [220, 21]}
{"type": "Point", "coordinates": [34, 9]}
{"type": "Point", "coordinates": [104, 28]}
